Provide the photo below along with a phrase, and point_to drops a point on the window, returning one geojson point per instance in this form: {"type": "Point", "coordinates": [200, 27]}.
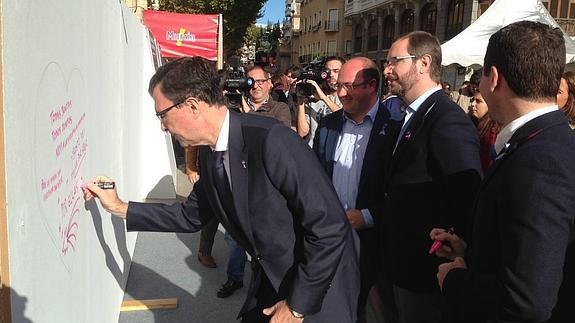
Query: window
{"type": "Point", "coordinates": [429, 18]}
{"type": "Point", "coordinates": [454, 25]}
{"type": "Point", "coordinates": [388, 31]}
{"type": "Point", "coordinates": [372, 35]}
{"type": "Point", "coordinates": [407, 21]}
{"type": "Point", "coordinates": [331, 48]}
{"type": "Point", "coordinates": [358, 39]}
{"type": "Point", "coordinates": [348, 47]}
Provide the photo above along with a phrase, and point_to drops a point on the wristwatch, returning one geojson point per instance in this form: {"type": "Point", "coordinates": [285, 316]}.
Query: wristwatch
{"type": "Point", "coordinates": [296, 314]}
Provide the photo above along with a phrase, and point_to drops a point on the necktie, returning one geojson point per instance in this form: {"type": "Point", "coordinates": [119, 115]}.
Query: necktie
{"type": "Point", "coordinates": [223, 185]}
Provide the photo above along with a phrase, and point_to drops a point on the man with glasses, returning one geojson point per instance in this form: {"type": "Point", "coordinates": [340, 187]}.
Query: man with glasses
{"type": "Point", "coordinates": [432, 175]}
{"type": "Point", "coordinates": [260, 101]}
{"type": "Point", "coordinates": [266, 188]}
{"type": "Point", "coordinates": [349, 145]}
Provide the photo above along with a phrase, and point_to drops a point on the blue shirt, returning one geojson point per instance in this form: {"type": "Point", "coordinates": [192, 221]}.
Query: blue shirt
{"type": "Point", "coordinates": [349, 153]}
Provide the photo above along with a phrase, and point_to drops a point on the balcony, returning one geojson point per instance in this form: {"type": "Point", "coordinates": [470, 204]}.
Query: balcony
{"type": "Point", "coordinates": [305, 58]}
{"type": "Point", "coordinates": [331, 25]}
{"type": "Point", "coordinates": [316, 27]}
{"type": "Point", "coordinates": [568, 25]}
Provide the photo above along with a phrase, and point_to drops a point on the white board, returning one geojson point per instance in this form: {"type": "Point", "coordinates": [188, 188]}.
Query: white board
{"type": "Point", "coordinates": [75, 106]}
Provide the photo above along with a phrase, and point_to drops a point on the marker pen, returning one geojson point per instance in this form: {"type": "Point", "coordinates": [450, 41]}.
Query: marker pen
{"type": "Point", "coordinates": [437, 243]}
{"type": "Point", "coordinates": [102, 185]}
{"type": "Point", "coordinates": [106, 185]}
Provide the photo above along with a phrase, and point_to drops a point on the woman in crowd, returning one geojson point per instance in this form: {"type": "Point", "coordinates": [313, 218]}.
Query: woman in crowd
{"type": "Point", "coordinates": [487, 128]}
{"type": "Point", "coordinates": [566, 96]}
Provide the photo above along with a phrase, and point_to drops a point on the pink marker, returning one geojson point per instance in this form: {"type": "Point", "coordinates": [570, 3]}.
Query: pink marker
{"type": "Point", "coordinates": [435, 246]}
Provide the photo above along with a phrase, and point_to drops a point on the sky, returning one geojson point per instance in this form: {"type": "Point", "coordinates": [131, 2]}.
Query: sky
{"type": "Point", "coordinates": [273, 10]}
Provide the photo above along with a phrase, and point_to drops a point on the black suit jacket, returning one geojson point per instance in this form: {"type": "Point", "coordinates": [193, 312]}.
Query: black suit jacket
{"type": "Point", "coordinates": [370, 184]}
{"type": "Point", "coordinates": [290, 218]}
{"type": "Point", "coordinates": [431, 182]}
{"type": "Point", "coordinates": [522, 258]}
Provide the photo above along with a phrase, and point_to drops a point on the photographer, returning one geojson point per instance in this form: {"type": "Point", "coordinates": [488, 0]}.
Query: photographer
{"type": "Point", "coordinates": [259, 100]}
{"type": "Point", "coordinates": [312, 101]}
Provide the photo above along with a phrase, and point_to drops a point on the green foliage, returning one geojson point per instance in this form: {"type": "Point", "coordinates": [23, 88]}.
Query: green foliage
{"type": "Point", "coordinates": [238, 15]}
{"type": "Point", "coordinates": [266, 39]}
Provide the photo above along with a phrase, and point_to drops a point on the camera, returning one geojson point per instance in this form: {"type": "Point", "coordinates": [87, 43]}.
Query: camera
{"type": "Point", "coordinates": [234, 82]}
{"type": "Point", "coordinates": [315, 73]}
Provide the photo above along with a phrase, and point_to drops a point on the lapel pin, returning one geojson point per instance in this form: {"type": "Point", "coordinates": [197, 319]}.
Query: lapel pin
{"type": "Point", "coordinates": [244, 164]}
{"type": "Point", "coordinates": [407, 135]}
{"type": "Point", "coordinates": [382, 131]}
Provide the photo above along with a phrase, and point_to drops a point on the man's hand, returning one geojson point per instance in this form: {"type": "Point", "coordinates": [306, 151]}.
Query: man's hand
{"type": "Point", "coordinates": [355, 218]}
{"type": "Point", "coordinates": [280, 313]}
{"type": "Point", "coordinates": [317, 89]}
{"type": "Point", "coordinates": [245, 107]}
{"type": "Point", "coordinates": [193, 176]}
{"type": "Point", "coordinates": [452, 245]}
{"type": "Point", "coordinates": [108, 197]}
{"type": "Point", "coordinates": [446, 267]}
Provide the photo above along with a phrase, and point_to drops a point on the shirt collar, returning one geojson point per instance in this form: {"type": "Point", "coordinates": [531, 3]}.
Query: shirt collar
{"type": "Point", "coordinates": [507, 132]}
{"type": "Point", "coordinates": [370, 114]}
{"type": "Point", "coordinates": [263, 105]}
{"type": "Point", "coordinates": [224, 135]}
{"type": "Point", "coordinates": [417, 103]}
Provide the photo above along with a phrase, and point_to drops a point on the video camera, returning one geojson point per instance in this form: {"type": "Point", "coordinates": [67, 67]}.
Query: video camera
{"type": "Point", "coordinates": [234, 82]}
{"type": "Point", "coordinates": [313, 72]}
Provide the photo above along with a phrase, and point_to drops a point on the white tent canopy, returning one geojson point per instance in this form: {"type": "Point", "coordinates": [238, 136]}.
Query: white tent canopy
{"type": "Point", "coordinates": [469, 46]}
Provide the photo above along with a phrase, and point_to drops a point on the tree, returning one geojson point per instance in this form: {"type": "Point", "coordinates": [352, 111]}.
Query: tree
{"type": "Point", "coordinates": [238, 15]}
{"type": "Point", "coordinates": [266, 39]}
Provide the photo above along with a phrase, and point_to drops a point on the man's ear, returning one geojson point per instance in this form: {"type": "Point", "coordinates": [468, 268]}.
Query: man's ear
{"type": "Point", "coordinates": [425, 63]}
{"type": "Point", "coordinates": [493, 78]}
{"type": "Point", "coordinates": [192, 103]}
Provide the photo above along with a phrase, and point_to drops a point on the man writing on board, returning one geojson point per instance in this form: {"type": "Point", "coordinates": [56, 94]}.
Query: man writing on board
{"type": "Point", "coordinates": [266, 187]}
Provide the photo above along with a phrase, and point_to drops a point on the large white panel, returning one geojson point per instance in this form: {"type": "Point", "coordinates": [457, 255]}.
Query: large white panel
{"type": "Point", "coordinates": [75, 106]}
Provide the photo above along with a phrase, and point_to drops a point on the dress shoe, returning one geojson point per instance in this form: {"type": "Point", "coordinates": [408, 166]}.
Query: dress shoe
{"type": "Point", "coordinates": [229, 288]}
{"type": "Point", "coordinates": [207, 260]}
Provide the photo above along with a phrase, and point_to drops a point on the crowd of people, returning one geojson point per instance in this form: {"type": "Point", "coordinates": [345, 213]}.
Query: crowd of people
{"type": "Point", "coordinates": [431, 207]}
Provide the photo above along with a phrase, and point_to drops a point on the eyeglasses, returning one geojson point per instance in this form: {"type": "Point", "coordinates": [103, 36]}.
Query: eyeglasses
{"type": "Point", "coordinates": [349, 86]}
{"type": "Point", "coordinates": [392, 61]}
{"type": "Point", "coordinates": [260, 82]}
{"type": "Point", "coordinates": [163, 113]}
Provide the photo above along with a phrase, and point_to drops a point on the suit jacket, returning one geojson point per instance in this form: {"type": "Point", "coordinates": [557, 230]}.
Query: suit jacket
{"type": "Point", "coordinates": [522, 258]}
{"type": "Point", "coordinates": [325, 144]}
{"type": "Point", "coordinates": [431, 182]}
{"type": "Point", "coordinates": [288, 214]}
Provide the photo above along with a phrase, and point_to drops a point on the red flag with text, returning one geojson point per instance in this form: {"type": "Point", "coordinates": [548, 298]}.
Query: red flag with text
{"type": "Point", "coordinates": [184, 34]}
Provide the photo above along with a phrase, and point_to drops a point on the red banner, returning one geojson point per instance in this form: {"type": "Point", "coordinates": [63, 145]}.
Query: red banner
{"type": "Point", "coordinates": [184, 35]}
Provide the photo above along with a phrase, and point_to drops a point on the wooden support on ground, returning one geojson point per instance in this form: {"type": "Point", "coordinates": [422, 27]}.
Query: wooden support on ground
{"type": "Point", "coordinates": [149, 304]}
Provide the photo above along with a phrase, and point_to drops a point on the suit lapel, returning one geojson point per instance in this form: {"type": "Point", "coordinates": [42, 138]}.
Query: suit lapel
{"type": "Point", "coordinates": [522, 135]}
{"type": "Point", "coordinates": [374, 147]}
{"type": "Point", "coordinates": [332, 136]}
{"type": "Point", "coordinates": [238, 158]}
{"type": "Point", "coordinates": [415, 124]}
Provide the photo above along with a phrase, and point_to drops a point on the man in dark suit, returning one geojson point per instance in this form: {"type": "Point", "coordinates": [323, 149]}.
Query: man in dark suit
{"type": "Point", "coordinates": [266, 187]}
{"type": "Point", "coordinates": [520, 266]}
{"type": "Point", "coordinates": [349, 145]}
{"type": "Point", "coordinates": [433, 172]}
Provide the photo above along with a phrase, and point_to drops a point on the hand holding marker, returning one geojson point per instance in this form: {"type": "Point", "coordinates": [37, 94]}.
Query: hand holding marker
{"type": "Point", "coordinates": [438, 243]}
{"type": "Point", "coordinates": [102, 185]}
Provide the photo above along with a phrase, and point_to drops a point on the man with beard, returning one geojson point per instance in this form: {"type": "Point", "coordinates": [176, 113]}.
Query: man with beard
{"type": "Point", "coordinates": [432, 175]}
